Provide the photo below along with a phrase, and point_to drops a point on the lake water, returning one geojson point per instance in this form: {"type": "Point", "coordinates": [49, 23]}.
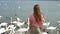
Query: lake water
{"type": "Point", "coordinates": [22, 9]}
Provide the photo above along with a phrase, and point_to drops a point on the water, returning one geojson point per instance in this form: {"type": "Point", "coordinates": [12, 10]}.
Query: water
{"type": "Point", "coordinates": [22, 9]}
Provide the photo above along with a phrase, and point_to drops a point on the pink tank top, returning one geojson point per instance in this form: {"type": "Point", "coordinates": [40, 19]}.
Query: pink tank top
{"type": "Point", "coordinates": [34, 23]}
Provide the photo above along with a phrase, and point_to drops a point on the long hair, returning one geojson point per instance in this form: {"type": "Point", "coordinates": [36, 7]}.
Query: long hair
{"type": "Point", "coordinates": [37, 13]}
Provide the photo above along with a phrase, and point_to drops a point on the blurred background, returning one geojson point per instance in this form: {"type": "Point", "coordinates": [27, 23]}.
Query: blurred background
{"type": "Point", "coordinates": [23, 9]}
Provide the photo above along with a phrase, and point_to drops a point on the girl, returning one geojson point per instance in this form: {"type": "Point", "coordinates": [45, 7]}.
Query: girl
{"type": "Point", "coordinates": [36, 20]}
